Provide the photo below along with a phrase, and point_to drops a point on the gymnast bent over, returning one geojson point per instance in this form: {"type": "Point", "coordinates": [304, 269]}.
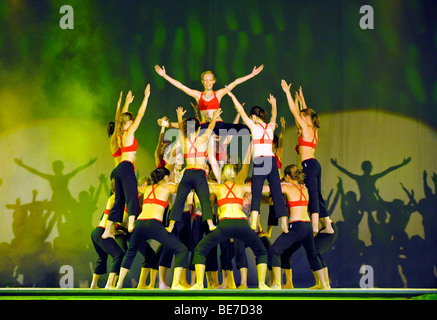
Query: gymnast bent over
{"type": "Point", "coordinates": [149, 226]}
{"type": "Point", "coordinates": [299, 230]}
{"type": "Point", "coordinates": [105, 247]}
{"type": "Point", "coordinates": [232, 224]}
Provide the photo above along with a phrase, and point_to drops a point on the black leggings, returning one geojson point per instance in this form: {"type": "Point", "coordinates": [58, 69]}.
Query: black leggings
{"type": "Point", "coordinates": [313, 181]}
{"type": "Point", "coordinates": [126, 192]}
{"type": "Point", "coordinates": [153, 229]}
{"type": "Point", "coordinates": [322, 242]}
{"type": "Point", "coordinates": [298, 231]}
{"type": "Point", "coordinates": [225, 129]}
{"type": "Point", "coordinates": [192, 179]}
{"type": "Point", "coordinates": [182, 230]}
{"type": "Point", "coordinates": [226, 229]}
{"type": "Point", "coordinates": [266, 168]}
{"type": "Point", "coordinates": [240, 252]}
{"type": "Point", "coordinates": [105, 247]}
{"type": "Point", "coordinates": [199, 230]}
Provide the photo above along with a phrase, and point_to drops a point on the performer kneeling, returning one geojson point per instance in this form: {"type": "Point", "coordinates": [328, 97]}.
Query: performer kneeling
{"type": "Point", "coordinates": [232, 224]}
{"type": "Point", "coordinates": [149, 226]}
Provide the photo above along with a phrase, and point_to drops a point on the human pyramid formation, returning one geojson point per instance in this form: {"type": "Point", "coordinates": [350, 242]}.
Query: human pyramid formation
{"type": "Point", "coordinates": [175, 205]}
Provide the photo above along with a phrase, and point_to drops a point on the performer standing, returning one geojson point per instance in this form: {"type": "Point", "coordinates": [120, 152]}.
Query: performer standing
{"type": "Point", "coordinates": [265, 166]}
{"type": "Point", "coordinates": [111, 128]}
{"type": "Point", "coordinates": [195, 152]}
{"type": "Point", "coordinates": [307, 122]}
{"type": "Point", "coordinates": [208, 100]}
{"type": "Point", "coordinates": [124, 175]}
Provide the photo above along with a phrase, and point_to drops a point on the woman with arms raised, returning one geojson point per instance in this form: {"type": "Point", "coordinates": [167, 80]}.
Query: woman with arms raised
{"type": "Point", "coordinates": [264, 162]}
{"type": "Point", "coordinates": [208, 100]}
{"type": "Point", "coordinates": [308, 122]}
{"type": "Point", "coordinates": [124, 174]}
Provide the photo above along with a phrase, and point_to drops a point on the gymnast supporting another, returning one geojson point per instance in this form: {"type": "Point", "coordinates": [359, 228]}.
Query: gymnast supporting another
{"type": "Point", "coordinates": [105, 247]}
{"type": "Point", "coordinates": [149, 226]}
{"type": "Point", "coordinates": [232, 224]}
{"type": "Point", "coordinates": [299, 230]}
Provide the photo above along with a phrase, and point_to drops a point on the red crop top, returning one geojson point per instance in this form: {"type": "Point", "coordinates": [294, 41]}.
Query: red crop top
{"type": "Point", "coordinates": [227, 200]}
{"type": "Point", "coordinates": [194, 153]}
{"type": "Point", "coordinates": [264, 139]}
{"type": "Point", "coordinates": [117, 153]}
{"type": "Point", "coordinates": [303, 143]}
{"type": "Point", "coordinates": [303, 201]}
{"type": "Point", "coordinates": [153, 200]}
{"type": "Point", "coordinates": [132, 147]}
{"type": "Point", "coordinates": [212, 104]}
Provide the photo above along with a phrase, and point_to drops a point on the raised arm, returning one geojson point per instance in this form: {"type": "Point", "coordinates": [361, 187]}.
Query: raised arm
{"type": "Point", "coordinates": [211, 125]}
{"type": "Point", "coordinates": [128, 101]}
{"type": "Point", "coordinates": [293, 107]}
{"type": "Point", "coordinates": [113, 140]}
{"type": "Point", "coordinates": [80, 168]}
{"type": "Point", "coordinates": [280, 148]}
{"type": "Point", "coordinates": [272, 100]}
{"type": "Point", "coordinates": [242, 174]}
{"type": "Point", "coordinates": [191, 92]}
{"type": "Point", "coordinates": [388, 170]}
{"type": "Point", "coordinates": [141, 111]}
{"type": "Point", "coordinates": [349, 174]}
{"type": "Point", "coordinates": [220, 93]}
{"type": "Point", "coordinates": [31, 170]}
{"type": "Point", "coordinates": [240, 109]}
{"type": "Point", "coordinates": [303, 104]}
{"type": "Point", "coordinates": [159, 154]}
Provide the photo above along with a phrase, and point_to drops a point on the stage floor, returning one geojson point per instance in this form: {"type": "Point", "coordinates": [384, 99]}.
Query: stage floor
{"type": "Point", "coordinates": [222, 295]}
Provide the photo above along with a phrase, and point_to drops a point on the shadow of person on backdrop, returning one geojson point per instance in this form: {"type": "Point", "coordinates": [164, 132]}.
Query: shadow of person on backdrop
{"type": "Point", "coordinates": [73, 245]}
{"type": "Point", "coordinates": [367, 183]}
{"type": "Point", "coordinates": [419, 256]}
{"type": "Point", "coordinates": [32, 256]}
{"type": "Point", "coordinates": [398, 260]}
{"type": "Point", "coordinates": [62, 199]}
{"type": "Point", "coordinates": [73, 219]}
{"type": "Point", "coordinates": [346, 255]}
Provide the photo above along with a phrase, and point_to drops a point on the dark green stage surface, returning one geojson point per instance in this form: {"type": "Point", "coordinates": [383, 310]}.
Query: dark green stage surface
{"type": "Point", "coordinates": [223, 295]}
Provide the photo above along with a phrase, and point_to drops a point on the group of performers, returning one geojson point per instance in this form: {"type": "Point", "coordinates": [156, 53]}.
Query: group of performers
{"type": "Point", "coordinates": [175, 206]}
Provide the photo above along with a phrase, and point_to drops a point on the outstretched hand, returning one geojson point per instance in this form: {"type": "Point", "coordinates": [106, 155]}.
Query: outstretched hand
{"type": "Point", "coordinates": [285, 86]}
{"type": "Point", "coordinates": [256, 70]}
{"type": "Point", "coordinates": [271, 99]}
{"type": "Point", "coordinates": [147, 91]}
{"type": "Point", "coordinates": [180, 112]}
{"type": "Point", "coordinates": [160, 71]}
{"type": "Point", "coordinates": [129, 97]}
